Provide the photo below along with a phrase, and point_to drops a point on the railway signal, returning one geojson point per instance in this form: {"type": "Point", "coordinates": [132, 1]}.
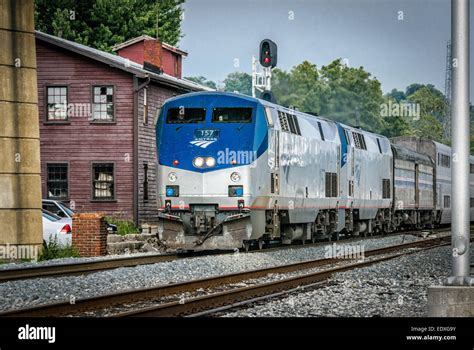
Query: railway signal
{"type": "Point", "coordinates": [267, 96]}
{"type": "Point", "coordinates": [268, 53]}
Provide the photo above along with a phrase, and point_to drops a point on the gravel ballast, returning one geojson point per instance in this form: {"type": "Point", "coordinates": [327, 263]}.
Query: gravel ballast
{"type": "Point", "coordinates": [395, 288]}
{"type": "Point", "coordinates": [24, 293]}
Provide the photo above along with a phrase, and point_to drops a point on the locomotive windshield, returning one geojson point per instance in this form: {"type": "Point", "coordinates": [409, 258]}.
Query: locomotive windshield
{"type": "Point", "coordinates": [232, 115]}
{"type": "Point", "coordinates": [184, 115]}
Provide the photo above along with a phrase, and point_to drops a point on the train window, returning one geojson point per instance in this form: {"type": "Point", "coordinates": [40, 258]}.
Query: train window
{"type": "Point", "coordinates": [445, 161]}
{"type": "Point", "coordinates": [359, 140]}
{"type": "Point", "coordinates": [232, 115]}
{"type": "Point", "coordinates": [185, 115]}
{"type": "Point", "coordinates": [321, 130]}
{"type": "Point", "coordinates": [378, 144]}
{"type": "Point", "coordinates": [385, 188]}
{"type": "Point", "coordinates": [269, 116]}
{"type": "Point", "coordinates": [447, 202]}
{"type": "Point", "coordinates": [471, 168]}
{"type": "Point", "coordinates": [331, 184]}
{"type": "Point", "coordinates": [472, 202]}
{"type": "Point", "coordinates": [348, 139]}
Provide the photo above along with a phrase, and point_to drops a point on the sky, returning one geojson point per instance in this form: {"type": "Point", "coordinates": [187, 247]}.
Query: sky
{"type": "Point", "coordinates": [398, 41]}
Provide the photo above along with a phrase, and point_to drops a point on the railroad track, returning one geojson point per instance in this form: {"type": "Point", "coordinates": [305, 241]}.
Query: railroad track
{"type": "Point", "coordinates": [227, 295]}
{"type": "Point", "coordinates": [82, 268]}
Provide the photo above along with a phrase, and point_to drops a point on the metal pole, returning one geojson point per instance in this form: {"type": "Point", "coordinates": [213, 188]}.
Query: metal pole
{"type": "Point", "coordinates": [254, 76]}
{"type": "Point", "coordinates": [460, 143]}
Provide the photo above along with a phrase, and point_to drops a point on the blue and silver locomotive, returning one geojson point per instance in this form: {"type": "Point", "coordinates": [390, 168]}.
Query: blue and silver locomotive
{"type": "Point", "coordinates": [235, 171]}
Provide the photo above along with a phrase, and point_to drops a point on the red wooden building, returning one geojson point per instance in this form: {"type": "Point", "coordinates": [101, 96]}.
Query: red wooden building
{"type": "Point", "coordinates": [97, 114]}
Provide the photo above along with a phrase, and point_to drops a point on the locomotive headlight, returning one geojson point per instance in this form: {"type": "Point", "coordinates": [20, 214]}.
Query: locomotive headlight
{"type": "Point", "coordinates": [172, 177]}
{"type": "Point", "coordinates": [235, 177]}
{"type": "Point", "coordinates": [210, 162]}
{"type": "Point", "coordinates": [198, 162]}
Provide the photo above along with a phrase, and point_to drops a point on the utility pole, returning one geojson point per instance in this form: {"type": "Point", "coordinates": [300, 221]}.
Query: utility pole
{"type": "Point", "coordinates": [460, 144]}
{"type": "Point", "coordinates": [20, 181]}
{"type": "Point", "coordinates": [261, 79]}
{"type": "Point", "coordinates": [447, 92]}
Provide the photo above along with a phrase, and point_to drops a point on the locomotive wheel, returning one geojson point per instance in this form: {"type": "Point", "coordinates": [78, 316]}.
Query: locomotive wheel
{"type": "Point", "coordinates": [260, 244]}
{"type": "Point", "coordinates": [246, 246]}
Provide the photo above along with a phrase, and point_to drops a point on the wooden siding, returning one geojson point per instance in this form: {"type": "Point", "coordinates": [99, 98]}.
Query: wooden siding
{"type": "Point", "coordinates": [148, 210]}
{"type": "Point", "coordinates": [81, 142]}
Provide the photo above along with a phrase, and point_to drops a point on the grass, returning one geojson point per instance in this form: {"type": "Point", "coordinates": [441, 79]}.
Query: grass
{"type": "Point", "coordinates": [124, 227]}
{"type": "Point", "coordinates": [53, 250]}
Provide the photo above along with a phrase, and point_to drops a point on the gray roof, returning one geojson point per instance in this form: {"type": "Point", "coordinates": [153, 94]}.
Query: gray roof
{"type": "Point", "coordinates": [121, 63]}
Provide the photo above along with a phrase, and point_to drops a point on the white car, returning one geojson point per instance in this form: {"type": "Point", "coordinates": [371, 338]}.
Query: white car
{"type": "Point", "coordinates": [55, 226]}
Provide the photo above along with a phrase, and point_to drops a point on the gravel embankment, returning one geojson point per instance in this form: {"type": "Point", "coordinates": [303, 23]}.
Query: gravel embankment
{"type": "Point", "coordinates": [23, 293]}
{"type": "Point", "coordinates": [395, 288]}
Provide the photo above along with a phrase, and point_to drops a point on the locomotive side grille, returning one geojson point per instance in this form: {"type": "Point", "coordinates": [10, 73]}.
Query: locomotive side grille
{"type": "Point", "coordinates": [331, 184]}
{"type": "Point", "coordinates": [359, 140]}
{"type": "Point", "coordinates": [385, 188]}
{"type": "Point", "coordinates": [285, 126]}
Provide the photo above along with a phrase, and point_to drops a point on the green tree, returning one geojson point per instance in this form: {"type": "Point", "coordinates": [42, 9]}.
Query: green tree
{"type": "Point", "coordinates": [431, 107]}
{"type": "Point", "coordinates": [396, 95]}
{"type": "Point", "coordinates": [105, 23]}
{"type": "Point", "coordinates": [398, 125]}
{"type": "Point", "coordinates": [238, 82]}
{"type": "Point", "coordinates": [203, 81]}
{"type": "Point", "coordinates": [336, 91]}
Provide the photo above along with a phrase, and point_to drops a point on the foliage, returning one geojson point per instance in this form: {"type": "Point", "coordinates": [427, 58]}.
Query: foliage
{"type": "Point", "coordinates": [105, 23]}
{"type": "Point", "coordinates": [54, 250]}
{"type": "Point", "coordinates": [239, 82]}
{"type": "Point", "coordinates": [431, 102]}
{"type": "Point", "coordinates": [203, 81]}
{"type": "Point", "coordinates": [124, 227]}
{"type": "Point", "coordinates": [336, 91]}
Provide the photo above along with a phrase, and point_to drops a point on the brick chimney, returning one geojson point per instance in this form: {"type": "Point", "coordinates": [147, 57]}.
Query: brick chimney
{"type": "Point", "coordinates": [153, 55]}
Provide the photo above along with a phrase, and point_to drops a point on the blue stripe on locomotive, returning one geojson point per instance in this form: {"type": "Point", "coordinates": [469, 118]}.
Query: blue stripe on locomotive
{"type": "Point", "coordinates": [174, 140]}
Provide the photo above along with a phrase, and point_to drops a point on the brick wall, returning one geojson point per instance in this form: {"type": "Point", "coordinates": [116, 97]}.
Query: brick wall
{"type": "Point", "coordinates": [89, 234]}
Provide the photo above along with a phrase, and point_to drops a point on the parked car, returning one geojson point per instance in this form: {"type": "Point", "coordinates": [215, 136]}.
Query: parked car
{"type": "Point", "coordinates": [58, 208]}
{"type": "Point", "coordinates": [63, 211]}
{"type": "Point", "coordinates": [56, 227]}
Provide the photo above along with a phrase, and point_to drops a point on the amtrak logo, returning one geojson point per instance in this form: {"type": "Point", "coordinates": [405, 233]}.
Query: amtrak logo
{"type": "Point", "coordinates": [201, 143]}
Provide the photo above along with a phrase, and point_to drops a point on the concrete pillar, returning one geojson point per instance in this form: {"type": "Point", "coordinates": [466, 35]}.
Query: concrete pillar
{"type": "Point", "coordinates": [20, 181]}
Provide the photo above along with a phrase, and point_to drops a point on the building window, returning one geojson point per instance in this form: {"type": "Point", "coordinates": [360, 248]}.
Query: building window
{"type": "Point", "coordinates": [385, 188]}
{"type": "Point", "coordinates": [103, 181]}
{"type": "Point", "coordinates": [57, 103]}
{"type": "Point", "coordinates": [447, 201]}
{"type": "Point", "coordinates": [145, 182]}
{"type": "Point", "coordinates": [331, 184]}
{"type": "Point", "coordinates": [103, 106]}
{"type": "Point", "coordinates": [57, 181]}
